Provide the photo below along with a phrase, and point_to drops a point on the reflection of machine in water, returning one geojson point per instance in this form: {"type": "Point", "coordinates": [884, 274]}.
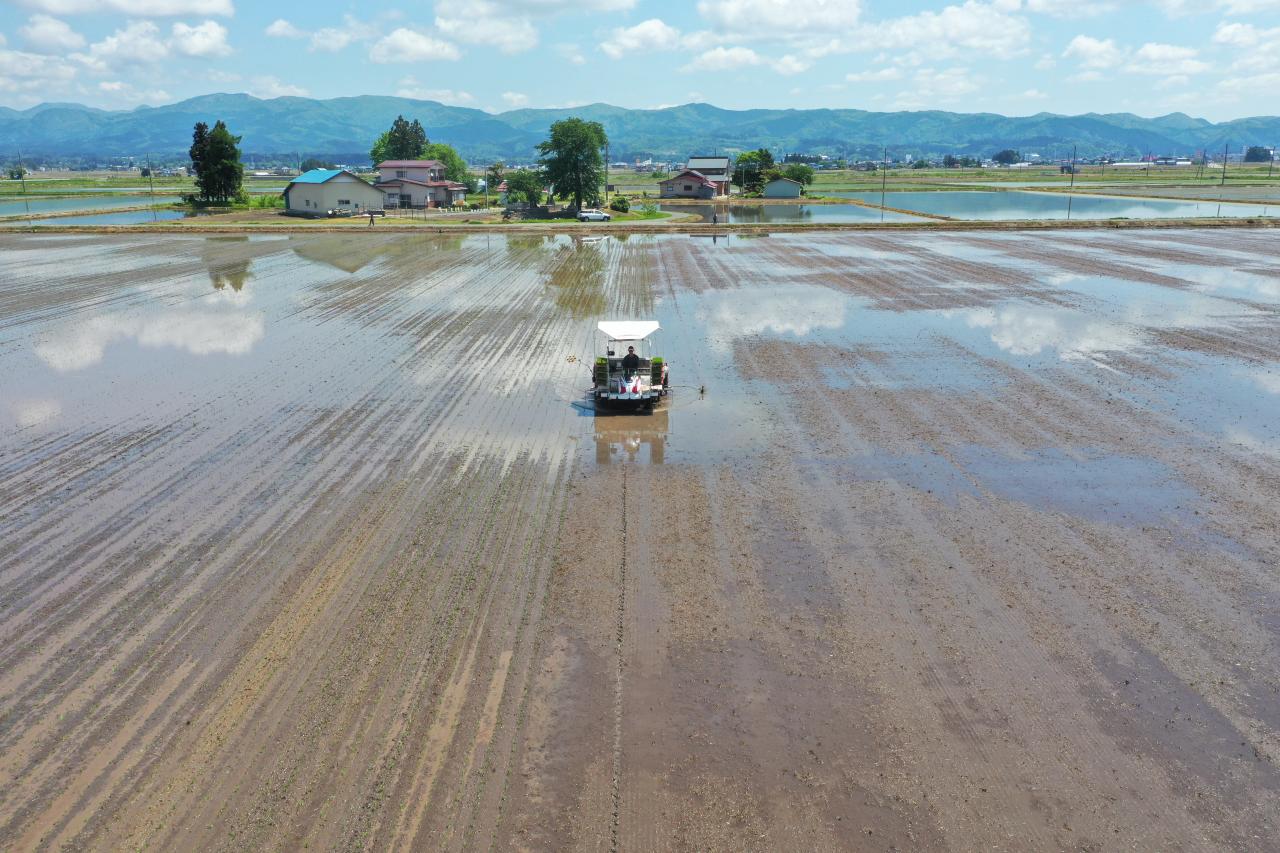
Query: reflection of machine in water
{"type": "Point", "coordinates": [631, 438]}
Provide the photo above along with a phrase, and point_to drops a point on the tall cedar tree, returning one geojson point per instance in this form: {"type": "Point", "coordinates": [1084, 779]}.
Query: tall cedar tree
{"type": "Point", "coordinates": [199, 140]}
{"type": "Point", "coordinates": [216, 160]}
{"type": "Point", "coordinates": [404, 141]}
{"type": "Point", "coordinates": [572, 162]}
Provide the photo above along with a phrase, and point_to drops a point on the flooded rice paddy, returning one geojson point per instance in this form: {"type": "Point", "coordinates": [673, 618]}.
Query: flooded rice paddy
{"type": "Point", "coordinates": [123, 217]}
{"type": "Point", "coordinates": [773, 214]}
{"type": "Point", "coordinates": [988, 205]}
{"type": "Point", "coordinates": [36, 205]}
{"type": "Point", "coordinates": [944, 541]}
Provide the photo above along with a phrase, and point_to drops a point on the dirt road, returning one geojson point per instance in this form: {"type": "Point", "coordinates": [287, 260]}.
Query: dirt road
{"type": "Point", "coordinates": [310, 542]}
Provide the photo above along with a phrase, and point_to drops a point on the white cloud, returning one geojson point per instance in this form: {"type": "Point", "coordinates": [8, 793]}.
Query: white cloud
{"type": "Point", "coordinates": [724, 59]}
{"type": "Point", "coordinates": [1234, 89]}
{"type": "Point", "coordinates": [268, 86]}
{"type": "Point", "coordinates": [509, 24]}
{"type": "Point", "coordinates": [1240, 35]}
{"type": "Point", "coordinates": [489, 22]}
{"type": "Point", "coordinates": [788, 65]}
{"type": "Point", "coordinates": [571, 53]}
{"type": "Point", "coordinates": [536, 7]}
{"type": "Point", "coordinates": [331, 39]}
{"type": "Point", "coordinates": [813, 16]}
{"type": "Point", "coordinates": [648, 35]}
{"type": "Point", "coordinates": [138, 43]}
{"type": "Point", "coordinates": [406, 45]}
{"type": "Point", "coordinates": [1177, 8]}
{"type": "Point", "coordinates": [280, 28]}
{"type": "Point", "coordinates": [1154, 58]}
{"type": "Point", "coordinates": [122, 92]}
{"type": "Point", "coordinates": [985, 28]}
{"type": "Point", "coordinates": [877, 76]}
{"type": "Point", "coordinates": [409, 87]}
{"type": "Point", "coordinates": [327, 39]}
{"type": "Point", "coordinates": [26, 73]}
{"type": "Point", "coordinates": [931, 87]}
{"type": "Point", "coordinates": [1033, 95]}
{"type": "Point", "coordinates": [1256, 49]}
{"type": "Point", "coordinates": [1094, 53]}
{"type": "Point", "coordinates": [206, 39]}
{"type": "Point", "coordinates": [50, 34]}
{"type": "Point", "coordinates": [141, 8]}
{"type": "Point", "coordinates": [1069, 8]}
{"type": "Point", "coordinates": [515, 99]}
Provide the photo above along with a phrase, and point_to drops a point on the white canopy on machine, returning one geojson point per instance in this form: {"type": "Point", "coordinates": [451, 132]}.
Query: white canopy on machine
{"type": "Point", "coordinates": [628, 330]}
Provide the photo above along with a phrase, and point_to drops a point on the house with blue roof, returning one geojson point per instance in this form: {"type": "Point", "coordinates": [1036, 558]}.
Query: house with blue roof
{"type": "Point", "coordinates": [326, 192]}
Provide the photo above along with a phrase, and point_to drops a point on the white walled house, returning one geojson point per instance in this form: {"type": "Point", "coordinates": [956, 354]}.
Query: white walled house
{"type": "Point", "coordinates": [320, 191]}
{"type": "Point", "coordinates": [418, 183]}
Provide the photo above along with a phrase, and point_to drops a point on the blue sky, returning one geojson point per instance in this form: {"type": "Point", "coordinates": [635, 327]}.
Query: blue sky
{"type": "Point", "coordinates": [1218, 59]}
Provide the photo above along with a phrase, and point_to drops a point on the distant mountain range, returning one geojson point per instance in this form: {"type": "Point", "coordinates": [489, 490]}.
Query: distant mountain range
{"type": "Point", "coordinates": [346, 127]}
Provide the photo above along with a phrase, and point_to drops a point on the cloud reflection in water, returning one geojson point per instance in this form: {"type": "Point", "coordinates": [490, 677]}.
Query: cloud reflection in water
{"type": "Point", "coordinates": [798, 310]}
{"type": "Point", "coordinates": [199, 333]}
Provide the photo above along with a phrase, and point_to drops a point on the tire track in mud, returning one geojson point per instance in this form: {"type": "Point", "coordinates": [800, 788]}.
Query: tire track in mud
{"type": "Point", "coordinates": [619, 671]}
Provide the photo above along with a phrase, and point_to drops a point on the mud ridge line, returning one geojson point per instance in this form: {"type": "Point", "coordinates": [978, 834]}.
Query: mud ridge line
{"type": "Point", "coordinates": [619, 669]}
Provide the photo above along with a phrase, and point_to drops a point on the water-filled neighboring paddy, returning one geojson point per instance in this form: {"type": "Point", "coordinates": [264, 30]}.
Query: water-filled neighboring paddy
{"type": "Point", "coordinates": [315, 540]}
{"type": "Point", "coordinates": [123, 217]}
{"type": "Point", "coordinates": [36, 205]}
{"type": "Point", "coordinates": [766, 214]}
{"type": "Point", "coordinates": [991, 205]}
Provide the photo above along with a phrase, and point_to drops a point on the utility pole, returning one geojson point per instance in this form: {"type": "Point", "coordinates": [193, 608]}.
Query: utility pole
{"type": "Point", "coordinates": [151, 179]}
{"type": "Point", "coordinates": [1225, 148]}
{"type": "Point", "coordinates": [1073, 166]}
{"type": "Point", "coordinates": [1271, 162]}
{"type": "Point", "coordinates": [22, 176]}
{"type": "Point", "coordinates": [884, 179]}
{"type": "Point", "coordinates": [606, 173]}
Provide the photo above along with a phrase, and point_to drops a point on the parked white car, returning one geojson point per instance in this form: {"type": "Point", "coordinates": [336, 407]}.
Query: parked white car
{"type": "Point", "coordinates": [592, 214]}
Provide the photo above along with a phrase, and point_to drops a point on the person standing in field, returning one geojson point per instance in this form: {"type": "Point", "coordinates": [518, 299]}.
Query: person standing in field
{"type": "Point", "coordinates": [371, 219]}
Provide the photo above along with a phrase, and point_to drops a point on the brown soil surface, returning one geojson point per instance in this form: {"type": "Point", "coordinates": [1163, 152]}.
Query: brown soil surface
{"type": "Point", "coordinates": [944, 541]}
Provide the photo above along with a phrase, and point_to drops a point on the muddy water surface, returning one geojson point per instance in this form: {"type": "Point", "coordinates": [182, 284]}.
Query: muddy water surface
{"type": "Point", "coordinates": [941, 541]}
